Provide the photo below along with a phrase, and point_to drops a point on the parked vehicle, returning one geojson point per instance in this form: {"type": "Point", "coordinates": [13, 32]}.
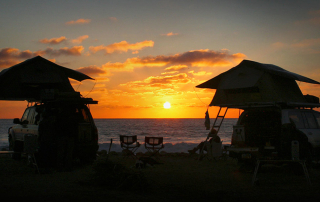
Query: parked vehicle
{"type": "Point", "coordinates": [44, 120]}
{"type": "Point", "coordinates": [271, 131]}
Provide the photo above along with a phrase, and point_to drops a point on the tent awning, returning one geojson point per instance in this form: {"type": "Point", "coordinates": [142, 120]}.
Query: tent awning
{"type": "Point", "coordinates": [253, 82]}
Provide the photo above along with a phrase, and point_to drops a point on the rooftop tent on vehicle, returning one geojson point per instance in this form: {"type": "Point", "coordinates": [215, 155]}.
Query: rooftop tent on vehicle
{"type": "Point", "coordinates": [253, 82]}
{"type": "Point", "coordinates": [29, 79]}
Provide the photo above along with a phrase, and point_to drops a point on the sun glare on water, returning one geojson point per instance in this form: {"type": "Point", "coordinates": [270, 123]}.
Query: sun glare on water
{"type": "Point", "coordinates": [167, 105]}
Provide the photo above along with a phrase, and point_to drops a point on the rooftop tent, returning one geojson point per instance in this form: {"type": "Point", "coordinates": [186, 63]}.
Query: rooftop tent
{"type": "Point", "coordinates": [253, 82]}
{"type": "Point", "coordinates": [28, 79]}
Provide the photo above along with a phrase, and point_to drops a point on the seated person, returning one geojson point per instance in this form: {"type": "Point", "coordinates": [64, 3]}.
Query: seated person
{"type": "Point", "coordinates": [213, 137]}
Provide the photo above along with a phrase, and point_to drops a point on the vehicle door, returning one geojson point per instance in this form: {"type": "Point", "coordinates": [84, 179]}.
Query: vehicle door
{"type": "Point", "coordinates": [84, 126]}
{"type": "Point", "coordinates": [305, 121]}
{"type": "Point", "coordinates": [312, 119]}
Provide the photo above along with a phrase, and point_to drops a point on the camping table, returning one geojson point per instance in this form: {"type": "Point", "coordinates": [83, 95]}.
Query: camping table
{"type": "Point", "coordinates": [301, 162]}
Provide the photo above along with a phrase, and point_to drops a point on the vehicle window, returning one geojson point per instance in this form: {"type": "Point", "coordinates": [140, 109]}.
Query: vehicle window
{"type": "Point", "coordinates": [83, 115]}
{"type": "Point", "coordinates": [317, 116]}
{"type": "Point", "coordinates": [310, 120]}
{"type": "Point", "coordinates": [296, 117]}
{"type": "Point", "coordinates": [31, 116]}
{"type": "Point", "coordinates": [25, 115]}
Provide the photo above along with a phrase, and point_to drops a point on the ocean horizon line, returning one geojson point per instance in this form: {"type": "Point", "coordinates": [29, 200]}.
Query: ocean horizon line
{"type": "Point", "coordinates": [134, 118]}
{"type": "Point", "coordinates": [159, 118]}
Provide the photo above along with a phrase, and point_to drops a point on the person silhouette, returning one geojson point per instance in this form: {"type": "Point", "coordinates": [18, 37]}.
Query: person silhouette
{"type": "Point", "coordinates": [213, 138]}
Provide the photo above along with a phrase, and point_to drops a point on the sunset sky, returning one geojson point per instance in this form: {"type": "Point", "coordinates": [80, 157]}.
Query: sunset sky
{"type": "Point", "coordinates": [143, 54]}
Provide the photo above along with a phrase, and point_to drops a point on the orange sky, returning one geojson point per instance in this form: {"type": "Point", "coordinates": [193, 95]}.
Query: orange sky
{"type": "Point", "coordinates": [145, 53]}
{"type": "Point", "coordinates": [14, 109]}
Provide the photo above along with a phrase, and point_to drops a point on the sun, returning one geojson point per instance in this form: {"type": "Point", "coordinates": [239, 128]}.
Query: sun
{"type": "Point", "coordinates": [167, 105]}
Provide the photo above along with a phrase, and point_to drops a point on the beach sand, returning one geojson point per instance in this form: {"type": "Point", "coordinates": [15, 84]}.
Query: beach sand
{"type": "Point", "coordinates": [178, 177]}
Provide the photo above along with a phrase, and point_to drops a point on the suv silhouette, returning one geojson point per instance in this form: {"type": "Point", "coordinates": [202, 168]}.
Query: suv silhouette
{"type": "Point", "coordinates": [271, 131]}
{"type": "Point", "coordinates": [49, 121]}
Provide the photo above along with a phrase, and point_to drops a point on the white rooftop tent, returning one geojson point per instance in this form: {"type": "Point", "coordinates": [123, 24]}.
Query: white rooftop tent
{"type": "Point", "coordinates": [253, 82]}
{"type": "Point", "coordinates": [29, 79]}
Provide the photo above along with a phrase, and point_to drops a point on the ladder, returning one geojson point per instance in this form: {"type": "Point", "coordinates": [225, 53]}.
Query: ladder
{"type": "Point", "coordinates": [219, 119]}
{"type": "Point", "coordinates": [216, 125]}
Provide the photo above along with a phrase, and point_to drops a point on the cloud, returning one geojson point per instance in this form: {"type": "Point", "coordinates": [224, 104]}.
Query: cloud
{"type": "Point", "coordinates": [198, 58]}
{"type": "Point", "coordinates": [113, 19]}
{"type": "Point", "coordinates": [122, 46]}
{"type": "Point", "coordinates": [91, 70]}
{"type": "Point", "coordinates": [79, 21]}
{"type": "Point", "coordinates": [310, 46]}
{"type": "Point", "coordinates": [128, 106]}
{"type": "Point", "coordinates": [176, 68]}
{"type": "Point", "coordinates": [7, 63]}
{"type": "Point", "coordinates": [116, 65]}
{"type": "Point", "coordinates": [278, 45]}
{"type": "Point", "coordinates": [74, 51]}
{"type": "Point", "coordinates": [201, 73]}
{"type": "Point", "coordinates": [53, 41]}
{"type": "Point", "coordinates": [13, 53]}
{"type": "Point", "coordinates": [170, 34]}
{"type": "Point", "coordinates": [313, 20]}
{"type": "Point", "coordinates": [160, 81]}
{"type": "Point", "coordinates": [80, 39]}
{"type": "Point", "coordinates": [173, 72]}
{"type": "Point", "coordinates": [307, 43]}
{"type": "Point", "coordinates": [12, 56]}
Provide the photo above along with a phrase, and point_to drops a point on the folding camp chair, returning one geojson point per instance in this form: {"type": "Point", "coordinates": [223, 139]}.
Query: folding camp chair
{"type": "Point", "coordinates": [153, 144]}
{"type": "Point", "coordinates": [130, 144]}
{"type": "Point", "coordinates": [215, 150]}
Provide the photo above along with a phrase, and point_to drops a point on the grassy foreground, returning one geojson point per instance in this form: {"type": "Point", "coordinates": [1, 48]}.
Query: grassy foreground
{"type": "Point", "coordinates": [179, 177]}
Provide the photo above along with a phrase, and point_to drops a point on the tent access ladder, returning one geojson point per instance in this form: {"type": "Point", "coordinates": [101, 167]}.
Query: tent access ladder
{"type": "Point", "coordinates": [219, 118]}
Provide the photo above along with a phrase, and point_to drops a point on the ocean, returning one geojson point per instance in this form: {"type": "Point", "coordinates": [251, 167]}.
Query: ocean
{"type": "Point", "coordinates": [179, 135]}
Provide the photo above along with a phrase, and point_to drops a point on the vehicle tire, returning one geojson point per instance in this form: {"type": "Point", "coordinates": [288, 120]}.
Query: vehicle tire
{"type": "Point", "coordinates": [297, 169]}
{"type": "Point", "coordinates": [87, 159]}
{"type": "Point", "coordinates": [305, 151]}
{"type": "Point", "coordinates": [247, 166]}
{"type": "Point", "coordinates": [10, 143]}
{"type": "Point", "coordinates": [310, 154]}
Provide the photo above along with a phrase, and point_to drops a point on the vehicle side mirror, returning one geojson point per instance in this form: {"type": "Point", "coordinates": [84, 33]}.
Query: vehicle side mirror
{"type": "Point", "coordinates": [16, 121]}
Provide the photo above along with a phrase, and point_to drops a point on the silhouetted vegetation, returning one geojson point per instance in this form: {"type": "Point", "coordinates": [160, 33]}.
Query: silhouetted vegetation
{"type": "Point", "coordinates": [117, 176]}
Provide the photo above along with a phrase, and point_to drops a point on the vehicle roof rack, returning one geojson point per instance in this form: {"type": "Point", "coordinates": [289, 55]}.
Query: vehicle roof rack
{"type": "Point", "coordinates": [271, 104]}
{"type": "Point", "coordinates": [72, 101]}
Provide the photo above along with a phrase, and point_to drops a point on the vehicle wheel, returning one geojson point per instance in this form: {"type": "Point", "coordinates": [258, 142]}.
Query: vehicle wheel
{"type": "Point", "coordinates": [310, 154]}
{"type": "Point", "coordinates": [297, 169]}
{"type": "Point", "coordinates": [87, 159]}
{"type": "Point", "coordinates": [306, 152]}
{"type": "Point", "coordinates": [247, 166]}
{"type": "Point", "coordinates": [10, 143]}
